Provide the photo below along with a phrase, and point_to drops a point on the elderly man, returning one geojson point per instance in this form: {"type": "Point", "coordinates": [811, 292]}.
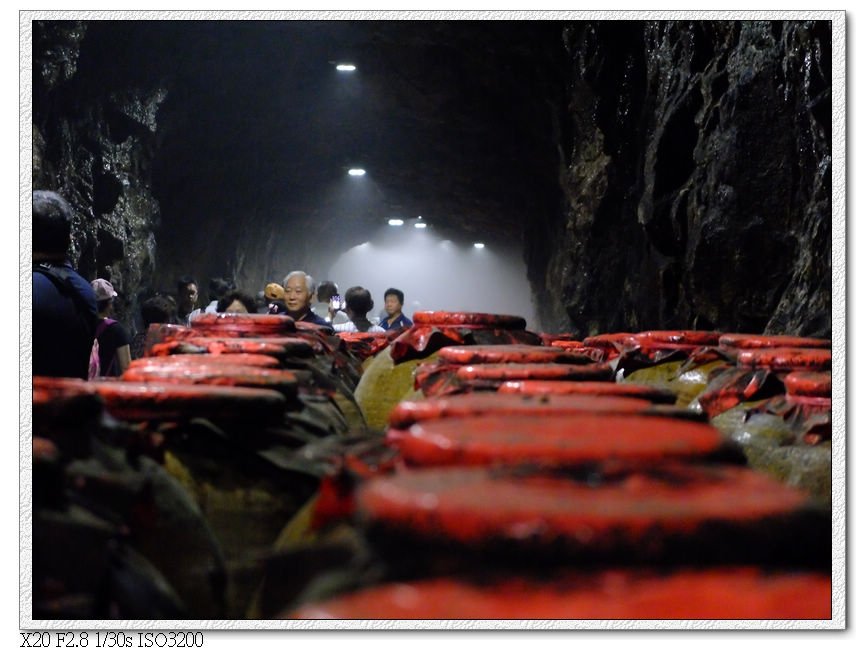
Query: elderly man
{"type": "Point", "coordinates": [298, 298]}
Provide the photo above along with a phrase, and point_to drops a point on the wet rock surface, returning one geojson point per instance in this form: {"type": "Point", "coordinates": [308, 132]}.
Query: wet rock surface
{"type": "Point", "coordinates": [696, 169]}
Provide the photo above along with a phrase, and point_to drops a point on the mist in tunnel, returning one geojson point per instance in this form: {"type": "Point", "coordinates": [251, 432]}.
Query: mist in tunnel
{"type": "Point", "coordinates": [436, 273]}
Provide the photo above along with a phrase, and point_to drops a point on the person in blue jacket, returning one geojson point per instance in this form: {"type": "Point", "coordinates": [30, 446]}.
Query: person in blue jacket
{"type": "Point", "coordinates": [393, 301]}
{"type": "Point", "coordinates": [64, 305]}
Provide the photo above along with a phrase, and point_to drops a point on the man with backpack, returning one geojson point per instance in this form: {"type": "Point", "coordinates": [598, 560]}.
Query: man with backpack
{"type": "Point", "coordinates": [64, 305]}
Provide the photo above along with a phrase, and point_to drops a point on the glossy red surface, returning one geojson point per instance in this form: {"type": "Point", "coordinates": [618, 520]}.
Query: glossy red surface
{"type": "Point", "coordinates": [597, 388]}
{"type": "Point", "coordinates": [468, 354]}
{"type": "Point", "coordinates": [284, 381]}
{"type": "Point", "coordinates": [512, 371]}
{"type": "Point", "coordinates": [555, 440]}
{"type": "Point", "coordinates": [748, 341]}
{"type": "Point", "coordinates": [809, 384]}
{"type": "Point", "coordinates": [469, 319]}
{"type": "Point", "coordinates": [230, 359]}
{"type": "Point", "coordinates": [728, 593]}
{"type": "Point", "coordinates": [682, 337]}
{"type": "Point", "coordinates": [152, 401]}
{"type": "Point", "coordinates": [407, 413]}
{"type": "Point", "coordinates": [786, 358]}
{"type": "Point", "coordinates": [274, 346]}
{"type": "Point", "coordinates": [243, 324]}
{"type": "Point", "coordinates": [478, 506]}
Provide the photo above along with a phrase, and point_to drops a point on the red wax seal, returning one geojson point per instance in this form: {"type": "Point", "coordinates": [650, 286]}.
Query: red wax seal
{"type": "Point", "coordinates": [150, 401]}
{"type": "Point", "coordinates": [284, 381]}
{"type": "Point", "coordinates": [408, 412]}
{"type": "Point", "coordinates": [786, 358]}
{"type": "Point", "coordinates": [639, 513]}
{"type": "Point", "coordinates": [469, 319]}
{"type": "Point", "coordinates": [230, 359]}
{"type": "Point", "coordinates": [749, 341]}
{"type": "Point", "coordinates": [654, 394]}
{"type": "Point", "coordinates": [556, 440]}
{"type": "Point", "coordinates": [242, 324]}
{"type": "Point", "coordinates": [696, 338]}
{"type": "Point", "coordinates": [729, 593]}
{"type": "Point", "coordinates": [514, 371]}
{"type": "Point", "coordinates": [468, 354]}
{"type": "Point", "coordinates": [809, 384]}
{"type": "Point", "coordinates": [273, 346]}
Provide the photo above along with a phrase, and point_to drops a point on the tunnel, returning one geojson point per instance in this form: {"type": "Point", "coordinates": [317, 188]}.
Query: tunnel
{"type": "Point", "coordinates": [643, 203]}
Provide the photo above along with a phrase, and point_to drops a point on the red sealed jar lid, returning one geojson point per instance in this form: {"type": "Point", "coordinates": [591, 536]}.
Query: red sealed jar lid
{"type": "Point", "coordinates": [608, 341]}
{"type": "Point", "coordinates": [187, 347]}
{"type": "Point", "coordinates": [698, 338]}
{"type": "Point", "coordinates": [367, 344]}
{"type": "Point", "coordinates": [63, 401]}
{"type": "Point", "coordinates": [642, 512]}
{"type": "Point", "coordinates": [157, 332]}
{"type": "Point", "coordinates": [748, 341]}
{"type": "Point", "coordinates": [468, 354]}
{"type": "Point", "coordinates": [555, 440]}
{"type": "Point", "coordinates": [683, 594]}
{"type": "Point", "coordinates": [809, 384]}
{"type": "Point", "coordinates": [564, 337]}
{"type": "Point", "coordinates": [407, 413]}
{"type": "Point", "coordinates": [786, 358]}
{"type": "Point", "coordinates": [654, 394]}
{"type": "Point", "coordinates": [552, 371]}
{"type": "Point", "coordinates": [284, 381]}
{"type": "Point", "coordinates": [273, 346]}
{"type": "Point", "coordinates": [577, 347]}
{"type": "Point", "coordinates": [242, 324]}
{"type": "Point", "coordinates": [255, 360]}
{"type": "Point", "coordinates": [469, 319]}
{"type": "Point", "coordinates": [146, 401]}
{"type": "Point", "coordinates": [56, 388]}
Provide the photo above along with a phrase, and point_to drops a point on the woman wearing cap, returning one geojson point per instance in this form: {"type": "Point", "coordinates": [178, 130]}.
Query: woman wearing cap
{"type": "Point", "coordinates": [113, 338]}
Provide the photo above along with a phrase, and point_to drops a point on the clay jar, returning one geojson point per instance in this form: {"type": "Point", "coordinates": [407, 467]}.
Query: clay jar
{"type": "Point", "coordinates": [681, 361]}
{"type": "Point", "coordinates": [389, 378]}
{"type": "Point", "coordinates": [447, 374]}
{"type": "Point", "coordinates": [789, 436]}
{"type": "Point", "coordinates": [677, 513]}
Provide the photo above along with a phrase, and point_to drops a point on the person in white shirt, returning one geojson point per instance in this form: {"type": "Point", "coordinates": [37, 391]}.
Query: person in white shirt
{"type": "Point", "coordinates": [329, 304]}
{"type": "Point", "coordinates": [358, 302]}
{"type": "Point", "coordinates": [216, 289]}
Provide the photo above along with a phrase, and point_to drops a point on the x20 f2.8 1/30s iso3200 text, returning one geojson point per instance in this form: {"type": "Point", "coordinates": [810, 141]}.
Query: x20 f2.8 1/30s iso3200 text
{"type": "Point", "coordinates": [81, 639]}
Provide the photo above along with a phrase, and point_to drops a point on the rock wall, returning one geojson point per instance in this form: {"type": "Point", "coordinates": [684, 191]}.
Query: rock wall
{"type": "Point", "coordinates": [93, 142]}
{"type": "Point", "coordinates": [696, 171]}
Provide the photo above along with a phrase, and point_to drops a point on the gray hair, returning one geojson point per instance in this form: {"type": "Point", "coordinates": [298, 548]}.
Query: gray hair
{"type": "Point", "coordinates": [310, 283]}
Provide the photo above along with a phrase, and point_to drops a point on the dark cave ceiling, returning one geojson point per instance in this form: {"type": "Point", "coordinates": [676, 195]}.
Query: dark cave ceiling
{"type": "Point", "coordinates": [452, 121]}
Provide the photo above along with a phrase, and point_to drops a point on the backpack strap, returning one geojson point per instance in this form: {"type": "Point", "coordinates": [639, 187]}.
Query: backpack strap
{"type": "Point", "coordinates": [59, 276]}
{"type": "Point", "coordinates": [104, 324]}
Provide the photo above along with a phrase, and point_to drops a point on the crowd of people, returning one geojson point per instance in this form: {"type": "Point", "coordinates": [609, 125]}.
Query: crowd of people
{"type": "Point", "coordinates": [74, 334]}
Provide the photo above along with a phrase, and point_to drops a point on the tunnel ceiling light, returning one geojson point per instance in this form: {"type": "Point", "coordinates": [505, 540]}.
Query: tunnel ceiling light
{"type": "Point", "coordinates": [479, 244]}
{"type": "Point", "coordinates": [420, 224]}
{"type": "Point", "coordinates": [356, 172]}
{"type": "Point", "coordinates": [346, 67]}
{"type": "Point", "coordinates": [395, 222]}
